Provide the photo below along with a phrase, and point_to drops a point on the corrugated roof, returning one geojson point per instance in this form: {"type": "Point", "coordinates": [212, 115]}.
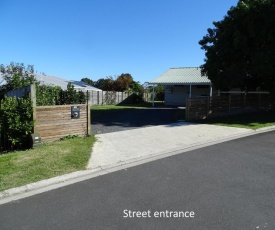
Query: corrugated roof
{"type": "Point", "coordinates": [186, 75]}
{"type": "Point", "coordinates": [57, 81]}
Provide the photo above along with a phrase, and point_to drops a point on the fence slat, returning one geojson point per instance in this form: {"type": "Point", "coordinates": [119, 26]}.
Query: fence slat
{"type": "Point", "coordinates": [201, 108]}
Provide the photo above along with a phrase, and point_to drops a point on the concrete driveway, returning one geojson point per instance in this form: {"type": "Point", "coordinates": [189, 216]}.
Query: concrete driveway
{"type": "Point", "coordinates": [118, 148]}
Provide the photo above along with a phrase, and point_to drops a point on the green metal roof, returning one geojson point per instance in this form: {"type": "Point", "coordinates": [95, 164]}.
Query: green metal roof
{"type": "Point", "coordinates": [177, 76]}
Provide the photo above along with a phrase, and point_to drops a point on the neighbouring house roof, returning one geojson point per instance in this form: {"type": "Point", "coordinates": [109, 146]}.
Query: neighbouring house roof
{"type": "Point", "coordinates": [57, 81]}
{"type": "Point", "coordinates": [179, 76]}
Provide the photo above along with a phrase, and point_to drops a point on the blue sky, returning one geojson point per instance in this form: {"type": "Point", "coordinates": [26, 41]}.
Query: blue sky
{"type": "Point", "coordinates": [74, 39]}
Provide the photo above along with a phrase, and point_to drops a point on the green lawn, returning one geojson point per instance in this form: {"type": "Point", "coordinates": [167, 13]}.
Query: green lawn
{"type": "Point", "coordinates": [126, 106]}
{"type": "Point", "coordinates": [251, 121]}
{"type": "Point", "coordinates": [46, 161]}
{"type": "Point", "coordinates": [99, 110]}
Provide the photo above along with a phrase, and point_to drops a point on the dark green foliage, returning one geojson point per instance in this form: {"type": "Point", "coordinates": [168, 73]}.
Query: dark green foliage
{"type": "Point", "coordinates": [158, 91]}
{"type": "Point", "coordinates": [88, 81]}
{"type": "Point", "coordinates": [68, 137]}
{"type": "Point", "coordinates": [54, 95]}
{"type": "Point", "coordinates": [106, 84]}
{"type": "Point", "coordinates": [16, 76]}
{"type": "Point", "coordinates": [16, 122]}
{"type": "Point", "coordinates": [136, 87]}
{"type": "Point", "coordinates": [240, 49]}
{"type": "Point", "coordinates": [16, 115]}
{"type": "Point", "coordinates": [47, 95]}
{"type": "Point", "coordinates": [71, 96]}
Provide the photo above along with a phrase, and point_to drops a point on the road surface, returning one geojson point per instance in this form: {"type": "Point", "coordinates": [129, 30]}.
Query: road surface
{"type": "Point", "coordinates": [225, 186]}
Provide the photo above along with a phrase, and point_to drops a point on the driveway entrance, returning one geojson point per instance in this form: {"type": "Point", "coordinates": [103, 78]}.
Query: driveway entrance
{"type": "Point", "coordinates": [107, 121]}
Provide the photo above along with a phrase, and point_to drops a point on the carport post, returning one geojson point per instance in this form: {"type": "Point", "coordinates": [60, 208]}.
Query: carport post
{"type": "Point", "coordinates": [190, 91]}
{"type": "Point", "coordinates": [153, 99]}
{"type": "Point", "coordinates": [210, 90]}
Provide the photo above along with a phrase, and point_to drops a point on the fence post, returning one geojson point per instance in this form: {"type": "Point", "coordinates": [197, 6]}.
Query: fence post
{"type": "Point", "coordinates": [88, 119]}
{"type": "Point", "coordinates": [208, 106]}
{"type": "Point", "coordinates": [187, 109]}
{"type": "Point", "coordinates": [33, 99]}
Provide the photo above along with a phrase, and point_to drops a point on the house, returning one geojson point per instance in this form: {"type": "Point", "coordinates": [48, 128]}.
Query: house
{"type": "Point", "coordinates": [57, 81]}
{"type": "Point", "coordinates": [182, 83]}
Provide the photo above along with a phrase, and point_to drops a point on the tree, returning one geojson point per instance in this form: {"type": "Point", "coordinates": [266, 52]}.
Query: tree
{"type": "Point", "coordinates": [240, 49]}
{"type": "Point", "coordinates": [123, 82]}
{"type": "Point", "coordinates": [16, 76]}
{"type": "Point", "coordinates": [71, 96]}
{"type": "Point", "coordinates": [158, 92]}
{"type": "Point", "coordinates": [136, 87]}
{"type": "Point", "coordinates": [88, 81]}
{"type": "Point", "coordinates": [106, 84]}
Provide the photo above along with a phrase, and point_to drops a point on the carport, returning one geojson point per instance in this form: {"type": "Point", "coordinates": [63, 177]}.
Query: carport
{"type": "Point", "coordinates": [182, 83]}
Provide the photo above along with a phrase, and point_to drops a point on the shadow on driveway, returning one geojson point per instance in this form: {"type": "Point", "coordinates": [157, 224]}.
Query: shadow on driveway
{"type": "Point", "coordinates": [106, 121]}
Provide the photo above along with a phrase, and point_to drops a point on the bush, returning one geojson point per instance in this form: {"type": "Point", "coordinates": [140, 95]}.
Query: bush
{"type": "Point", "coordinates": [16, 122]}
{"type": "Point", "coordinates": [47, 95]}
{"type": "Point", "coordinates": [54, 95]}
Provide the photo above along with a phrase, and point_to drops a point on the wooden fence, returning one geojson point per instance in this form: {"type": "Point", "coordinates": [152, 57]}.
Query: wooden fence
{"type": "Point", "coordinates": [225, 105]}
{"type": "Point", "coordinates": [54, 122]}
{"type": "Point", "coordinates": [112, 97]}
{"type": "Point", "coordinates": [107, 97]}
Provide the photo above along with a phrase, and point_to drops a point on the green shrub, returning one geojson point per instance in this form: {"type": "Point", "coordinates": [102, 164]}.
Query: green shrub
{"type": "Point", "coordinates": [16, 122]}
{"type": "Point", "coordinates": [68, 137]}
{"type": "Point", "coordinates": [54, 95]}
{"type": "Point", "coordinates": [47, 95]}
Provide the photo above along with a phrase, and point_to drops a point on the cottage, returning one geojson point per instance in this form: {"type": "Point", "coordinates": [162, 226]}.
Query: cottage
{"type": "Point", "coordinates": [182, 83]}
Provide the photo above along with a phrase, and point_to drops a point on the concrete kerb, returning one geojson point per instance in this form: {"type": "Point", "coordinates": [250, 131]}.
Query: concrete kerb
{"type": "Point", "coordinates": [71, 178]}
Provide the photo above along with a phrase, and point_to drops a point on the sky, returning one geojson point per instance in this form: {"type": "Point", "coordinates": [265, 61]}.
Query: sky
{"type": "Point", "coordinates": [73, 39]}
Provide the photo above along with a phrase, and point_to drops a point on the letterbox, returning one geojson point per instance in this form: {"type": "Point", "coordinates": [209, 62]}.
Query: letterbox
{"type": "Point", "coordinates": [35, 139]}
{"type": "Point", "coordinates": [75, 112]}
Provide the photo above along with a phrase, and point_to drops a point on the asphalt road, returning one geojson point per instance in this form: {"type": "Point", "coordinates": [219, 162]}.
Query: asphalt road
{"type": "Point", "coordinates": [124, 119]}
{"type": "Point", "coordinates": [228, 186]}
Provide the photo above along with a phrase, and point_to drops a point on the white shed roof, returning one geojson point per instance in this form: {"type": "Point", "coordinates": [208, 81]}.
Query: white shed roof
{"type": "Point", "coordinates": [179, 76]}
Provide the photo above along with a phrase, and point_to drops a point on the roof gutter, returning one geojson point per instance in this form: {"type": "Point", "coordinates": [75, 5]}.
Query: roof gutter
{"type": "Point", "coordinates": [171, 83]}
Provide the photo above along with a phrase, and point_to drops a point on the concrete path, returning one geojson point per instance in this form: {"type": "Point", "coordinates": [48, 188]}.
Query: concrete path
{"type": "Point", "coordinates": [131, 145]}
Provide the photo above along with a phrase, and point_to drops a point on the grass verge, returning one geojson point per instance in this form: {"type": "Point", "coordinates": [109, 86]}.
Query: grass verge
{"type": "Point", "coordinates": [46, 161]}
{"type": "Point", "coordinates": [250, 121]}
